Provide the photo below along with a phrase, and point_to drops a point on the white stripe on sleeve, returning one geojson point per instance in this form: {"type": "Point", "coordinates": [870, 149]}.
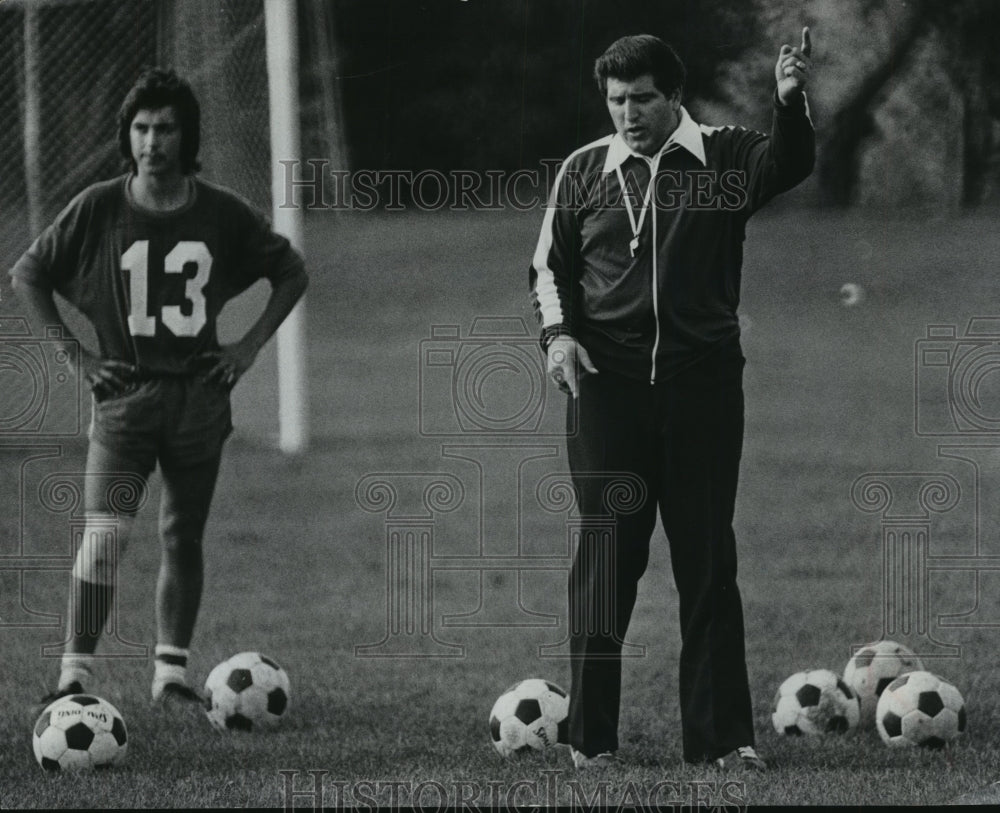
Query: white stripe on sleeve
{"type": "Point", "coordinates": [545, 285]}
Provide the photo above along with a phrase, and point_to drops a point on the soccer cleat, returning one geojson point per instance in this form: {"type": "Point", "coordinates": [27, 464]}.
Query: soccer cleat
{"type": "Point", "coordinates": [599, 761]}
{"type": "Point", "coordinates": [165, 692]}
{"type": "Point", "coordinates": [744, 756]}
{"type": "Point", "coordinates": [73, 688]}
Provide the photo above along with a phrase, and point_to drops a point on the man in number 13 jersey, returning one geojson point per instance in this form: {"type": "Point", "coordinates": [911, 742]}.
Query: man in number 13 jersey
{"type": "Point", "coordinates": [151, 258]}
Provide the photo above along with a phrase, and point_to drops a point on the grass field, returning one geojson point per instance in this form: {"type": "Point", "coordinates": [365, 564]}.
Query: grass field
{"type": "Point", "coordinates": [297, 569]}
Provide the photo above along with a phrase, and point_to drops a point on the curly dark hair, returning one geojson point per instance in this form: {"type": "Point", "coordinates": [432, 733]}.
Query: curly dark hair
{"type": "Point", "coordinates": [631, 57]}
{"type": "Point", "coordinates": [154, 89]}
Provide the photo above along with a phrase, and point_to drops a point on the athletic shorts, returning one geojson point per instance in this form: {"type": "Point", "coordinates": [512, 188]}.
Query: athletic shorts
{"type": "Point", "coordinates": [179, 422]}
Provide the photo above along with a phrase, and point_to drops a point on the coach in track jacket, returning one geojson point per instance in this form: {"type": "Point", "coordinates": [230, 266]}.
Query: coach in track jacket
{"type": "Point", "coordinates": [636, 282]}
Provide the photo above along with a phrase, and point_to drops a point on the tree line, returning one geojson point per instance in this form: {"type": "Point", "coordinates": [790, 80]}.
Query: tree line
{"type": "Point", "coordinates": [506, 84]}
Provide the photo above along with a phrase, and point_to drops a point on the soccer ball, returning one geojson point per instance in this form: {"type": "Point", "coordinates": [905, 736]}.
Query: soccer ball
{"type": "Point", "coordinates": [247, 691]}
{"type": "Point", "coordinates": [530, 715]}
{"type": "Point", "coordinates": [815, 702]}
{"type": "Point", "coordinates": [79, 732]}
{"type": "Point", "coordinates": [872, 668]}
{"type": "Point", "coordinates": [919, 708]}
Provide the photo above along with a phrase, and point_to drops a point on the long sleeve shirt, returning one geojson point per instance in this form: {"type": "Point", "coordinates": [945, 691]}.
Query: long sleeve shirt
{"type": "Point", "coordinates": [153, 283]}
{"type": "Point", "coordinates": [640, 257]}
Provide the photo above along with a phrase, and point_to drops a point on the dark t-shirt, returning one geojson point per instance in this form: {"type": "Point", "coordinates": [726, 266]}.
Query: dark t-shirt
{"type": "Point", "coordinates": [153, 284]}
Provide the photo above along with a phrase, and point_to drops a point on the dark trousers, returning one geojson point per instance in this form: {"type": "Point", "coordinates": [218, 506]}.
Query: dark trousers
{"type": "Point", "coordinates": [675, 446]}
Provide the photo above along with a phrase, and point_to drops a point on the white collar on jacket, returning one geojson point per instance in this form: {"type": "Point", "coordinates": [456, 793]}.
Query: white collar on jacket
{"type": "Point", "coordinates": [687, 135]}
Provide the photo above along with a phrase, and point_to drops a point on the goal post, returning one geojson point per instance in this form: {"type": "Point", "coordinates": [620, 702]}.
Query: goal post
{"type": "Point", "coordinates": [242, 58]}
{"type": "Point", "coordinates": [281, 25]}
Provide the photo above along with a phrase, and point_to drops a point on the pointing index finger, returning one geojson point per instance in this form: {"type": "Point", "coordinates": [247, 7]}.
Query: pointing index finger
{"type": "Point", "coordinates": [806, 42]}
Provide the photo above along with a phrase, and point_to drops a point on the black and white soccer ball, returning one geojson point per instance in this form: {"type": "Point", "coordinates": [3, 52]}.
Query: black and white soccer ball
{"type": "Point", "coordinates": [246, 692]}
{"type": "Point", "coordinates": [531, 715]}
{"type": "Point", "coordinates": [815, 702]}
{"type": "Point", "coordinates": [920, 708]}
{"type": "Point", "coordinates": [873, 667]}
{"type": "Point", "coordinates": [79, 732]}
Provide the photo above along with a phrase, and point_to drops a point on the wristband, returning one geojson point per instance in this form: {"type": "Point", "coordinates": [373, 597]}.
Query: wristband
{"type": "Point", "coordinates": [551, 333]}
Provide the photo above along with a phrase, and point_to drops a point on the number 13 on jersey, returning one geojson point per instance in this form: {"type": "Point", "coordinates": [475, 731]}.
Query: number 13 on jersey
{"type": "Point", "coordinates": [136, 262]}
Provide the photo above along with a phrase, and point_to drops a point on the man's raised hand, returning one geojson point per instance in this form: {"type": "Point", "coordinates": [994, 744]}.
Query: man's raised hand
{"type": "Point", "coordinates": [792, 69]}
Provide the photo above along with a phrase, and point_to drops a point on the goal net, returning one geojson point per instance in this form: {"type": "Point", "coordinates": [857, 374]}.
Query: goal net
{"type": "Point", "coordinates": [65, 66]}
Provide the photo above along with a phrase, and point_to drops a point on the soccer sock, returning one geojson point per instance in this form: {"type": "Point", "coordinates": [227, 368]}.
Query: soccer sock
{"type": "Point", "coordinates": [89, 605]}
{"type": "Point", "coordinates": [89, 609]}
{"type": "Point", "coordinates": [170, 666]}
{"type": "Point", "coordinates": [75, 666]}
